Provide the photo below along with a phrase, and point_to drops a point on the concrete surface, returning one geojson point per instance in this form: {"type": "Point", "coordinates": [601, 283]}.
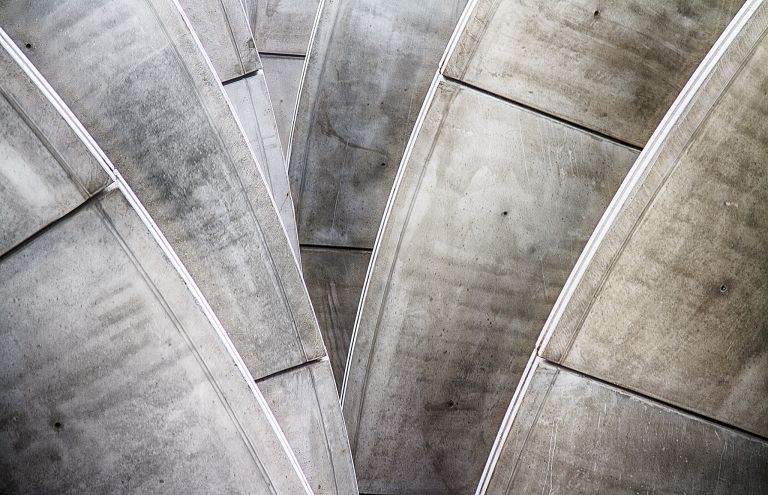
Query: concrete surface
{"type": "Point", "coordinates": [576, 435]}
{"type": "Point", "coordinates": [113, 378]}
{"type": "Point", "coordinates": [334, 279]}
{"type": "Point", "coordinates": [138, 80]}
{"type": "Point", "coordinates": [284, 76]}
{"type": "Point", "coordinates": [224, 32]}
{"type": "Point", "coordinates": [45, 174]}
{"type": "Point", "coordinates": [494, 202]}
{"type": "Point", "coordinates": [591, 63]}
{"type": "Point", "coordinates": [676, 283]}
{"type": "Point", "coordinates": [282, 26]}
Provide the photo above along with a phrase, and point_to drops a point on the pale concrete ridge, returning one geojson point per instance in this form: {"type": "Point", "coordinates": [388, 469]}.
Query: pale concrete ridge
{"type": "Point", "coordinates": [136, 76]}
{"type": "Point", "coordinates": [525, 137]}
{"type": "Point", "coordinates": [356, 110]}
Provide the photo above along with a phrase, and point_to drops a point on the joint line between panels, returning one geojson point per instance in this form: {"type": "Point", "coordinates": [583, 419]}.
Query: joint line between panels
{"type": "Point", "coordinates": [291, 368]}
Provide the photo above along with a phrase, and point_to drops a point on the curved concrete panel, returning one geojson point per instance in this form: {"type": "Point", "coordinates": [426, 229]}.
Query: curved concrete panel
{"type": "Point", "coordinates": [224, 32]}
{"type": "Point", "coordinates": [492, 206]}
{"type": "Point", "coordinates": [356, 109]}
{"type": "Point", "coordinates": [282, 26]}
{"type": "Point", "coordinates": [137, 78]}
{"type": "Point", "coordinates": [674, 277]}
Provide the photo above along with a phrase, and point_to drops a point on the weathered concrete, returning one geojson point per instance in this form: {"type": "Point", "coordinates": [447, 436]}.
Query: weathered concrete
{"type": "Point", "coordinates": [44, 173]}
{"type": "Point", "coordinates": [357, 108]}
{"type": "Point", "coordinates": [587, 62]}
{"type": "Point", "coordinates": [670, 299]}
{"type": "Point", "coordinates": [334, 279]}
{"type": "Point", "coordinates": [224, 32]}
{"type": "Point", "coordinates": [578, 436]}
{"type": "Point", "coordinates": [284, 74]}
{"type": "Point", "coordinates": [138, 80]}
{"type": "Point", "coordinates": [323, 456]}
{"type": "Point", "coordinates": [493, 204]}
{"type": "Point", "coordinates": [282, 26]}
{"type": "Point", "coordinates": [113, 379]}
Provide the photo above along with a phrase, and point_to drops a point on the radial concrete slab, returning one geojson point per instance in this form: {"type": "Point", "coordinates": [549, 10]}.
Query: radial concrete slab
{"type": "Point", "coordinates": [282, 26]}
{"type": "Point", "coordinates": [137, 78]}
{"type": "Point", "coordinates": [493, 204]}
{"type": "Point", "coordinates": [225, 34]}
{"type": "Point", "coordinates": [45, 173]}
{"type": "Point", "coordinates": [113, 378]}
{"type": "Point", "coordinates": [670, 299]}
{"type": "Point", "coordinates": [284, 74]}
{"type": "Point", "coordinates": [575, 435]}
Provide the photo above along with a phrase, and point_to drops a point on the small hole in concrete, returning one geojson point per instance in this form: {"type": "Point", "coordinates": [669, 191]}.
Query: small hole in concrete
{"type": "Point", "coordinates": [723, 288]}
{"type": "Point", "coordinates": [57, 425]}
{"type": "Point", "coordinates": [383, 164]}
{"type": "Point", "coordinates": [597, 13]}
{"type": "Point", "coordinates": [28, 45]}
{"type": "Point", "coordinates": [451, 403]}
{"type": "Point", "coordinates": [505, 213]}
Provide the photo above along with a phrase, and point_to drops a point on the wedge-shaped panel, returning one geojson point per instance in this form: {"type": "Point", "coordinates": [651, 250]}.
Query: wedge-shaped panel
{"type": "Point", "coordinates": [282, 26]}
{"type": "Point", "coordinates": [113, 379]}
{"type": "Point", "coordinates": [284, 76]}
{"type": "Point", "coordinates": [357, 108]}
{"type": "Point", "coordinates": [335, 279]}
{"type": "Point", "coordinates": [136, 77]}
{"type": "Point", "coordinates": [592, 63]}
{"type": "Point", "coordinates": [572, 434]}
{"type": "Point", "coordinates": [492, 209]}
{"type": "Point", "coordinates": [319, 438]}
{"type": "Point", "coordinates": [44, 173]}
{"type": "Point", "coordinates": [671, 298]}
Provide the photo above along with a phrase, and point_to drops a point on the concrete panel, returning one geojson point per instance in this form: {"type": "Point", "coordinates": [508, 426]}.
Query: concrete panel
{"type": "Point", "coordinates": [493, 207]}
{"type": "Point", "coordinates": [113, 380]}
{"type": "Point", "coordinates": [44, 173]}
{"type": "Point", "coordinates": [357, 108]}
{"type": "Point", "coordinates": [282, 26]}
{"type": "Point", "coordinates": [284, 76]}
{"type": "Point", "coordinates": [592, 63]}
{"type": "Point", "coordinates": [319, 438]}
{"type": "Point", "coordinates": [253, 107]}
{"type": "Point", "coordinates": [335, 279]}
{"type": "Point", "coordinates": [223, 29]}
{"type": "Point", "coordinates": [670, 299]}
{"type": "Point", "coordinates": [136, 78]}
{"type": "Point", "coordinates": [576, 435]}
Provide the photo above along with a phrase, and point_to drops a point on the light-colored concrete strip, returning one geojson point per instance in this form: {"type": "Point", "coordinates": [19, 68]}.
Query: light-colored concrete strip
{"type": "Point", "coordinates": [284, 75]}
{"type": "Point", "coordinates": [282, 26]}
{"type": "Point", "coordinates": [670, 297]}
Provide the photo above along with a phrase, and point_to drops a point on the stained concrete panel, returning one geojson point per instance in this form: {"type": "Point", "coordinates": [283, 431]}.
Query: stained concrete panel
{"type": "Point", "coordinates": [225, 34]}
{"type": "Point", "coordinates": [357, 108]}
{"type": "Point", "coordinates": [136, 78]}
{"type": "Point", "coordinates": [113, 380]}
{"type": "Point", "coordinates": [672, 301]}
{"type": "Point", "coordinates": [44, 173]}
{"type": "Point", "coordinates": [282, 26]}
{"type": "Point", "coordinates": [284, 77]}
{"type": "Point", "coordinates": [335, 279]}
{"type": "Point", "coordinates": [590, 62]}
{"type": "Point", "coordinates": [492, 209]}
{"type": "Point", "coordinates": [319, 438]}
{"type": "Point", "coordinates": [579, 436]}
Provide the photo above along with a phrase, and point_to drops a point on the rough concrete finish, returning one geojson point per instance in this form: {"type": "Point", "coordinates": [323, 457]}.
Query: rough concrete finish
{"type": "Point", "coordinates": [357, 108]}
{"type": "Point", "coordinates": [113, 380]}
{"type": "Point", "coordinates": [592, 63]}
{"type": "Point", "coordinates": [284, 76]}
{"type": "Point", "coordinates": [575, 435]}
{"type": "Point", "coordinates": [282, 26]}
{"type": "Point", "coordinates": [138, 80]}
{"type": "Point", "coordinates": [334, 279]}
{"type": "Point", "coordinates": [253, 107]}
{"type": "Point", "coordinates": [672, 301]}
{"type": "Point", "coordinates": [493, 208]}
{"type": "Point", "coordinates": [44, 173]}
{"type": "Point", "coordinates": [320, 438]}
{"type": "Point", "coordinates": [225, 34]}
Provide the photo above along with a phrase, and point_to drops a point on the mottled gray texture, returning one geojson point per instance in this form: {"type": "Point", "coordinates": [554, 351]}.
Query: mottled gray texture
{"type": "Point", "coordinates": [112, 378]}
{"type": "Point", "coordinates": [613, 67]}
{"type": "Point", "coordinates": [493, 208]}
{"type": "Point", "coordinates": [284, 77]}
{"type": "Point", "coordinates": [334, 278]}
{"type": "Point", "coordinates": [44, 171]}
{"type": "Point", "coordinates": [575, 435]}
{"type": "Point", "coordinates": [282, 26]}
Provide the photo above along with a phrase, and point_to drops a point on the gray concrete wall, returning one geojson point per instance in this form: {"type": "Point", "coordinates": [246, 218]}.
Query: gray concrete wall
{"type": "Point", "coordinates": [140, 83]}
{"type": "Point", "coordinates": [497, 195]}
{"type": "Point", "coordinates": [368, 72]}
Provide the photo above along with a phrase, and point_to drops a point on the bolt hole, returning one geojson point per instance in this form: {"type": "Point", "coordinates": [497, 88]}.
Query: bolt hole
{"type": "Point", "coordinates": [723, 289]}
{"type": "Point", "coordinates": [57, 425]}
{"type": "Point", "coordinates": [28, 45]}
{"type": "Point", "coordinates": [597, 13]}
{"type": "Point", "coordinates": [505, 213]}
